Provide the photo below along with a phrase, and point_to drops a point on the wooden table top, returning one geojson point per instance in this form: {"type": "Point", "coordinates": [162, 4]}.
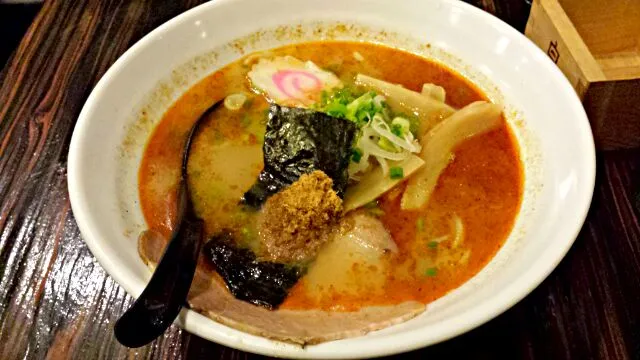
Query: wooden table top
{"type": "Point", "coordinates": [57, 302]}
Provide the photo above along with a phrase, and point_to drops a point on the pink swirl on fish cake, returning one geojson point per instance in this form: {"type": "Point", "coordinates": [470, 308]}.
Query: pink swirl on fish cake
{"type": "Point", "coordinates": [296, 84]}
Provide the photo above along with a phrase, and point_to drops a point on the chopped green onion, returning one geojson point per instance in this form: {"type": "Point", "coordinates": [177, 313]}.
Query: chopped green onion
{"type": "Point", "coordinates": [337, 110]}
{"type": "Point", "coordinates": [396, 172]}
{"type": "Point", "coordinates": [387, 145]}
{"type": "Point", "coordinates": [373, 208]}
{"type": "Point", "coordinates": [420, 224]}
{"type": "Point", "coordinates": [343, 96]}
{"type": "Point", "coordinates": [432, 244]}
{"type": "Point", "coordinates": [431, 272]}
{"type": "Point", "coordinates": [414, 122]}
{"type": "Point", "coordinates": [346, 103]}
{"type": "Point", "coordinates": [356, 155]}
{"type": "Point", "coordinates": [362, 109]}
{"type": "Point", "coordinates": [401, 124]}
{"type": "Point", "coordinates": [324, 97]}
{"type": "Point", "coordinates": [396, 130]}
{"type": "Point", "coordinates": [362, 114]}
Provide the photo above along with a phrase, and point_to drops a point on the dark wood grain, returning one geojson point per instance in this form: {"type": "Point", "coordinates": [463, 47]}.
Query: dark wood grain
{"type": "Point", "coordinates": [56, 302]}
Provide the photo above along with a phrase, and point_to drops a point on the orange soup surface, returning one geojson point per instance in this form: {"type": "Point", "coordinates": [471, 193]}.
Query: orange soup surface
{"type": "Point", "coordinates": [481, 189]}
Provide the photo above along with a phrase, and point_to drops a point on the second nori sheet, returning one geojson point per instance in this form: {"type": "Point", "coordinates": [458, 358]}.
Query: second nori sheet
{"type": "Point", "coordinates": [299, 141]}
{"type": "Point", "coordinates": [261, 283]}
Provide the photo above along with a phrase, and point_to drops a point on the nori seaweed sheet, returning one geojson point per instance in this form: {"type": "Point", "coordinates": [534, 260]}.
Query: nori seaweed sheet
{"type": "Point", "coordinates": [258, 282]}
{"type": "Point", "coordinates": [299, 141]}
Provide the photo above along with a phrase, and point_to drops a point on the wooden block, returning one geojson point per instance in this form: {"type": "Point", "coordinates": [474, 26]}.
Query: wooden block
{"type": "Point", "coordinates": [596, 44]}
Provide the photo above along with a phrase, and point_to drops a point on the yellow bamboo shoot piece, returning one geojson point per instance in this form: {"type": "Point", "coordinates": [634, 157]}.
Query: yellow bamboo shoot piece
{"type": "Point", "coordinates": [438, 146]}
{"type": "Point", "coordinates": [434, 91]}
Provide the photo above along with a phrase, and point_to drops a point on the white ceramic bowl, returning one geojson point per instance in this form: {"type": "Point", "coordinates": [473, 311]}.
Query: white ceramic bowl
{"type": "Point", "coordinates": [542, 108]}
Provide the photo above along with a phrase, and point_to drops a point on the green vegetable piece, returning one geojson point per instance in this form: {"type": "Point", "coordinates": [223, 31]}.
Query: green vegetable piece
{"type": "Point", "coordinates": [356, 155]}
{"type": "Point", "coordinates": [414, 122]}
{"type": "Point", "coordinates": [343, 96]}
{"type": "Point", "coordinates": [385, 144]}
{"type": "Point", "coordinates": [336, 110]}
{"type": "Point", "coordinates": [400, 126]}
{"type": "Point", "coordinates": [432, 244]}
{"type": "Point", "coordinates": [431, 272]}
{"type": "Point", "coordinates": [348, 104]}
{"type": "Point", "coordinates": [373, 208]}
{"type": "Point", "coordinates": [362, 109]}
{"type": "Point", "coordinates": [396, 172]}
{"type": "Point", "coordinates": [324, 98]}
{"type": "Point", "coordinates": [396, 130]}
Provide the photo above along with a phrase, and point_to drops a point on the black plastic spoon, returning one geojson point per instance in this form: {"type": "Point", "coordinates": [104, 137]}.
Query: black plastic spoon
{"type": "Point", "coordinates": [161, 301]}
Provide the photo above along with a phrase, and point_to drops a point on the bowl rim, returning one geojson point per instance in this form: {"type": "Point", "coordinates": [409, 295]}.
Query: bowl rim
{"type": "Point", "coordinates": [408, 340]}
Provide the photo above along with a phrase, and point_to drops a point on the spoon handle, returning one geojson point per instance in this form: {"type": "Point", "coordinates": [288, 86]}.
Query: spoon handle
{"type": "Point", "coordinates": [163, 298]}
{"type": "Point", "coordinates": [161, 301]}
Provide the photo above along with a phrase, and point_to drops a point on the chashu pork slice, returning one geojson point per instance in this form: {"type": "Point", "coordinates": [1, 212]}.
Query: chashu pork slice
{"type": "Point", "coordinates": [209, 295]}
